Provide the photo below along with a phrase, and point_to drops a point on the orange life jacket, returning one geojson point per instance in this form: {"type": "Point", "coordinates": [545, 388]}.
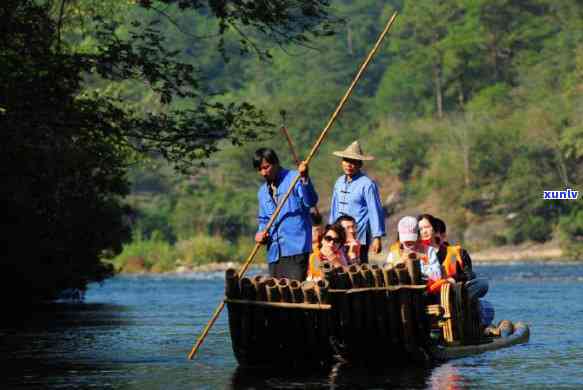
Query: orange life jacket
{"type": "Point", "coordinates": [314, 264]}
{"type": "Point", "coordinates": [453, 260]}
{"type": "Point", "coordinates": [317, 257]}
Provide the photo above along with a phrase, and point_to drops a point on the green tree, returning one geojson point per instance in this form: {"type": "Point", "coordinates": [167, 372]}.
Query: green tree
{"type": "Point", "coordinates": [66, 147]}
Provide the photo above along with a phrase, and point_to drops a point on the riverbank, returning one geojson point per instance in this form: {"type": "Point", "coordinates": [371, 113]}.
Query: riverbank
{"type": "Point", "coordinates": [526, 252]}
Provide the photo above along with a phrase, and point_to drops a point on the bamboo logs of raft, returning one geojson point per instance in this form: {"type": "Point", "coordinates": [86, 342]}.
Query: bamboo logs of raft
{"type": "Point", "coordinates": [346, 313]}
{"type": "Point", "coordinates": [460, 317]}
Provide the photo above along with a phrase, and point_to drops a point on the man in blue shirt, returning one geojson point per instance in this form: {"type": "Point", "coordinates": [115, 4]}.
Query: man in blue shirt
{"type": "Point", "coordinates": [355, 194]}
{"type": "Point", "coordinates": [289, 240]}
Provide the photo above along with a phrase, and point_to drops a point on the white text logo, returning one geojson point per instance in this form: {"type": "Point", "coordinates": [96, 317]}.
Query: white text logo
{"type": "Point", "coordinates": [565, 194]}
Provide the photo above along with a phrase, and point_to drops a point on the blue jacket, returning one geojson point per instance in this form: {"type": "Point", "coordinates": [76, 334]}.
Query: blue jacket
{"type": "Point", "coordinates": [360, 199]}
{"type": "Point", "coordinates": [291, 233]}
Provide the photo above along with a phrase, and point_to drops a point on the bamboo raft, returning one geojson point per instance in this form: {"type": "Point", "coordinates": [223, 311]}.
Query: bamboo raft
{"type": "Point", "coordinates": [355, 314]}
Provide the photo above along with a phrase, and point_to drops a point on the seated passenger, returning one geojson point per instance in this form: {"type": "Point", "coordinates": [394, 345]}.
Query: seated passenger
{"type": "Point", "coordinates": [352, 246]}
{"type": "Point", "coordinates": [457, 262]}
{"type": "Point", "coordinates": [427, 230]}
{"type": "Point", "coordinates": [330, 250]}
{"type": "Point", "coordinates": [409, 244]}
{"type": "Point", "coordinates": [317, 230]}
{"type": "Point", "coordinates": [457, 267]}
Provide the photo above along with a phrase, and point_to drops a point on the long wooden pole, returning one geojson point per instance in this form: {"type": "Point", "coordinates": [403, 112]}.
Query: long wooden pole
{"type": "Point", "coordinates": [288, 138]}
{"type": "Point", "coordinates": [313, 152]}
{"type": "Point", "coordinates": [292, 147]}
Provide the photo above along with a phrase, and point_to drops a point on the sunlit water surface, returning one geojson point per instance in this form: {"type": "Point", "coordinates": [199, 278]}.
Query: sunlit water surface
{"type": "Point", "coordinates": [136, 332]}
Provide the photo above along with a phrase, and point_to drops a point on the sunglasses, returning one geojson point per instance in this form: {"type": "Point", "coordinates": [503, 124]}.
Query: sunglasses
{"type": "Point", "coordinates": [330, 238]}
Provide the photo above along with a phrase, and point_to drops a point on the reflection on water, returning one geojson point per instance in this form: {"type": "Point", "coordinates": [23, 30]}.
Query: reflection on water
{"type": "Point", "coordinates": [340, 376]}
{"type": "Point", "coordinates": [49, 341]}
{"type": "Point", "coordinates": [447, 377]}
{"type": "Point", "coordinates": [135, 333]}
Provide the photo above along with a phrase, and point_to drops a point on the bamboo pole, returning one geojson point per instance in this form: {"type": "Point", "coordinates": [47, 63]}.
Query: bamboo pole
{"type": "Point", "coordinates": [288, 138]}
{"type": "Point", "coordinates": [313, 152]}
{"type": "Point", "coordinates": [292, 147]}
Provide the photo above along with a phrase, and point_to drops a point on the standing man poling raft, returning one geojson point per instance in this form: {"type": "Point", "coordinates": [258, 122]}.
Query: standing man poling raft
{"type": "Point", "coordinates": [356, 195]}
{"type": "Point", "coordinates": [289, 240]}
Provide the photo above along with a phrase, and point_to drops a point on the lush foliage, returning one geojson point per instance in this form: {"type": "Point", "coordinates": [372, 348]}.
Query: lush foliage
{"type": "Point", "coordinates": [89, 87]}
{"type": "Point", "coordinates": [472, 107]}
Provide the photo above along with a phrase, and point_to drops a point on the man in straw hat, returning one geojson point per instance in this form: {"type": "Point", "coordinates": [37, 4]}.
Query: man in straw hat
{"type": "Point", "coordinates": [355, 194]}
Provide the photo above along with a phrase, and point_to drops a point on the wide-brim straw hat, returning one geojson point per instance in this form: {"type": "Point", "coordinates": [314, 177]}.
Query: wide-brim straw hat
{"type": "Point", "coordinates": [353, 152]}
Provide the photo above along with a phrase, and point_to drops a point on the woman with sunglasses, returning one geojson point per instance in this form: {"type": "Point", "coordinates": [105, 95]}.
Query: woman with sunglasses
{"type": "Point", "coordinates": [330, 250]}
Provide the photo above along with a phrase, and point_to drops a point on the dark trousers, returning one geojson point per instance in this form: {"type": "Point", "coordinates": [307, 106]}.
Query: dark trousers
{"type": "Point", "coordinates": [364, 254]}
{"type": "Point", "coordinates": [292, 267]}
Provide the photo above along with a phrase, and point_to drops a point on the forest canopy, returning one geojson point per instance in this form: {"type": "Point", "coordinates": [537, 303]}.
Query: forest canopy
{"type": "Point", "coordinates": [90, 88]}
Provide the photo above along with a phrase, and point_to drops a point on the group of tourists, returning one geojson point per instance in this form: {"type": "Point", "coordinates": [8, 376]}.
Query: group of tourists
{"type": "Point", "coordinates": [297, 243]}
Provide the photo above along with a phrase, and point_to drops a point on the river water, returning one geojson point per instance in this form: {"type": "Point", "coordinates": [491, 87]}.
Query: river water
{"type": "Point", "coordinates": [135, 333]}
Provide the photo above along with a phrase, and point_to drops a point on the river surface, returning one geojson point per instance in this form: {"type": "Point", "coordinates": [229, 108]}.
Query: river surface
{"type": "Point", "coordinates": [136, 332]}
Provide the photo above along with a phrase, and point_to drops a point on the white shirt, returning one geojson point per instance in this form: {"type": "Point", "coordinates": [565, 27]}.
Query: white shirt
{"type": "Point", "coordinates": [431, 269]}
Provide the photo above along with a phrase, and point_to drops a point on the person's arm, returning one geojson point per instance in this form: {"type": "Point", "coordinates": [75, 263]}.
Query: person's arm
{"type": "Point", "coordinates": [333, 206]}
{"type": "Point", "coordinates": [376, 214]}
{"type": "Point", "coordinates": [466, 272]}
{"type": "Point", "coordinates": [433, 273]}
{"type": "Point", "coordinates": [305, 189]}
{"type": "Point", "coordinates": [262, 219]}
{"type": "Point", "coordinates": [352, 251]}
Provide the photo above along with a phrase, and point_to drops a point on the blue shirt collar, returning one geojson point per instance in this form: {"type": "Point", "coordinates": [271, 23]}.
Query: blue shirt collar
{"type": "Point", "coordinates": [280, 176]}
{"type": "Point", "coordinates": [355, 177]}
